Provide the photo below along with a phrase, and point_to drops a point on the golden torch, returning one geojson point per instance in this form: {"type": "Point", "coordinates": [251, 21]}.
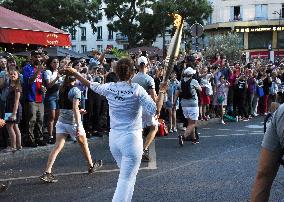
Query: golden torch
{"type": "Point", "coordinates": [174, 47]}
{"type": "Point", "coordinates": [173, 52]}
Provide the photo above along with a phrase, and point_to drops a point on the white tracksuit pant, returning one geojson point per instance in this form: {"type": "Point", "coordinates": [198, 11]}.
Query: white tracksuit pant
{"type": "Point", "coordinates": [127, 149]}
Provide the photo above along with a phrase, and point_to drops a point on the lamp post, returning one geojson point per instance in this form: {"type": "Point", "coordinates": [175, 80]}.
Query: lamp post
{"type": "Point", "coordinates": [279, 18]}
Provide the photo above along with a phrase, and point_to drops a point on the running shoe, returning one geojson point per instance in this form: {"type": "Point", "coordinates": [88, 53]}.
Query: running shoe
{"type": "Point", "coordinates": [96, 165]}
{"type": "Point", "coordinates": [222, 121]}
{"type": "Point", "coordinates": [175, 130]}
{"type": "Point", "coordinates": [180, 140]}
{"type": "Point", "coordinates": [194, 141]}
{"type": "Point", "coordinates": [48, 177]}
{"type": "Point", "coordinates": [170, 131]}
{"type": "Point", "coordinates": [4, 187]}
{"type": "Point", "coordinates": [145, 156]}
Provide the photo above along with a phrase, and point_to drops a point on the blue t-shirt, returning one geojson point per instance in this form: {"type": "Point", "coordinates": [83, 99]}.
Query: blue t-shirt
{"type": "Point", "coordinates": [32, 92]}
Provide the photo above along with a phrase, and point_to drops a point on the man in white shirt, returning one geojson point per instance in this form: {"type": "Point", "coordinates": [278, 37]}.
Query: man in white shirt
{"type": "Point", "coordinates": [147, 82]}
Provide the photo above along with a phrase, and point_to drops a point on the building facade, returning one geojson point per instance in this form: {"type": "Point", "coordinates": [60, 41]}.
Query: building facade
{"type": "Point", "coordinates": [85, 39]}
{"type": "Point", "coordinates": [259, 23]}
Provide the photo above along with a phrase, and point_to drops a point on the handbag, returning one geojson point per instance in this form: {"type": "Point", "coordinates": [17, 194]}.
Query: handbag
{"type": "Point", "coordinates": [220, 99]}
{"type": "Point", "coordinates": [259, 91]}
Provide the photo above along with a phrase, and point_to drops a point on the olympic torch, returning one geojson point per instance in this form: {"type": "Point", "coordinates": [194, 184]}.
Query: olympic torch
{"type": "Point", "coordinates": [172, 54]}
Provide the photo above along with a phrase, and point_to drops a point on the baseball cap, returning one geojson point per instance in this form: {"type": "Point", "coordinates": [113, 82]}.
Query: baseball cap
{"type": "Point", "coordinates": [189, 71]}
{"type": "Point", "coordinates": [35, 52]}
{"type": "Point", "coordinates": [142, 59]}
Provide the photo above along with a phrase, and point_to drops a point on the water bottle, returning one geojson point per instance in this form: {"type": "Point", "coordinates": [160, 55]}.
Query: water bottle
{"type": "Point", "coordinates": [162, 129]}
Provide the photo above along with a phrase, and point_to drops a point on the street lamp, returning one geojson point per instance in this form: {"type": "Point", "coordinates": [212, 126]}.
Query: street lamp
{"type": "Point", "coordinates": [279, 18]}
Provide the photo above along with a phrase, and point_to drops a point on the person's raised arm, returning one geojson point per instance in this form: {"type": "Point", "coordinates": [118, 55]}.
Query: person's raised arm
{"type": "Point", "coordinates": [73, 72]}
{"type": "Point", "coordinates": [161, 95]}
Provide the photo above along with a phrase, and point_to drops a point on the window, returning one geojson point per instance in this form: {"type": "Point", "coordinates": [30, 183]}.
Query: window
{"type": "Point", "coordinates": [73, 48]}
{"type": "Point", "coordinates": [110, 34]}
{"type": "Point", "coordinates": [282, 11]}
{"type": "Point", "coordinates": [83, 34]}
{"type": "Point", "coordinates": [110, 18]}
{"type": "Point", "coordinates": [73, 34]}
{"type": "Point", "coordinates": [100, 33]}
{"type": "Point", "coordinates": [209, 19]}
{"type": "Point", "coordinates": [100, 48]}
{"type": "Point", "coordinates": [83, 48]}
{"type": "Point", "coordinates": [261, 12]}
{"type": "Point", "coordinates": [280, 40]}
{"type": "Point", "coordinates": [236, 13]}
{"type": "Point", "coordinates": [259, 40]}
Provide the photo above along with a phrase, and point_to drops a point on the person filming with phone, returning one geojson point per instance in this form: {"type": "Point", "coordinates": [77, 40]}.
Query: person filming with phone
{"type": "Point", "coordinates": [34, 91]}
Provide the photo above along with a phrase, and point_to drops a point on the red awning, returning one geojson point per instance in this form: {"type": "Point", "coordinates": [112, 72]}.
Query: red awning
{"type": "Point", "coordinates": [17, 28]}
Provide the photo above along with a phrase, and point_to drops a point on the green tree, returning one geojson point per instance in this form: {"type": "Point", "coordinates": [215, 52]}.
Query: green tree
{"type": "Point", "coordinates": [58, 13]}
{"type": "Point", "coordinates": [128, 13]}
{"type": "Point", "coordinates": [228, 44]}
{"type": "Point", "coordinates": [139, 25]}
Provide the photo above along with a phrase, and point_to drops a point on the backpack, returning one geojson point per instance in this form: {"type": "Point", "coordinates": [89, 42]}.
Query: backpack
{"type": "Point", "coordinates": [185, 89]}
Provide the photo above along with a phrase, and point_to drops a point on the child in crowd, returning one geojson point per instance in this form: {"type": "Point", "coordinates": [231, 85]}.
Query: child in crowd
{"type": "Point", "coordinates": [172, 109]}
{"type": "Point", "coordinates": [206, 92]}
{"type": "Point", "coordinates": [12, 111]}
{"type": "Point", "coordinates": [220, 99]}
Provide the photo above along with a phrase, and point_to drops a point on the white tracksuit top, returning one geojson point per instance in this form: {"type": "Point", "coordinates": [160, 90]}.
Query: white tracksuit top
{"type": "Point", "coordinates": [125, 104]}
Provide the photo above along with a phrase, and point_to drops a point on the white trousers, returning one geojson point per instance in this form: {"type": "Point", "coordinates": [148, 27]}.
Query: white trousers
{"type": "Point", "coordinates": [127, 149]}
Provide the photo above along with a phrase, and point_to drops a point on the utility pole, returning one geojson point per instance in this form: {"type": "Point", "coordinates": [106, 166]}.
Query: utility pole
{"type": "Point", "coordinates": [279, 23]}
{"type": "Point", "coordinates": [164, 32]}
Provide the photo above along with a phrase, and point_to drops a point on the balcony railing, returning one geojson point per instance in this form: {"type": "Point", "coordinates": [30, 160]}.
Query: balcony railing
{"type": "Point", "coordinates": [121, 37]}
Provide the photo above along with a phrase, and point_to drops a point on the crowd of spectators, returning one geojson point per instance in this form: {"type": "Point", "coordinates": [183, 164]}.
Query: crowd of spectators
{"type": "Point", "coordinates": [29, 93]}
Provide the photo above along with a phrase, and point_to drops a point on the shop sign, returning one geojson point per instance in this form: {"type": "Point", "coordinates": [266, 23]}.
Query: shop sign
{"type": "Point", "coordinates": [259, 29]}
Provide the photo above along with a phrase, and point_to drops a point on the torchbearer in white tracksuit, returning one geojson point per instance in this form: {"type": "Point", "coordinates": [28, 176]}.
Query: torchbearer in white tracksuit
{"type": "Point", "coordinates": [125, 100]}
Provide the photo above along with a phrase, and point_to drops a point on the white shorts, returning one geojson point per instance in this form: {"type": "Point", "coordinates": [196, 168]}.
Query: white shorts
{"type": "Point", "coordinates": [148, 120]}
{"type": "Point", "coordinates": [63, 128]}
{"type": "Point", "coordinates": [191, 113]}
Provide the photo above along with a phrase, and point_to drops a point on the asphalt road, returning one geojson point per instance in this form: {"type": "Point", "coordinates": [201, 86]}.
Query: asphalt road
{"type": "Point", "coordinates": [221, 168]}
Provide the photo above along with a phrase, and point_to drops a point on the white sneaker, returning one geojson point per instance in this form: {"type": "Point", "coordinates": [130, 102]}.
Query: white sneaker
{"type": "Point", "coordinates": [175, 130]}
{"type": "Point", "coordinates": [222, 121]}
{"type": "Point", "coordinates": [171, 131]}
{"type": "Point", "coordinates": [183, 129]}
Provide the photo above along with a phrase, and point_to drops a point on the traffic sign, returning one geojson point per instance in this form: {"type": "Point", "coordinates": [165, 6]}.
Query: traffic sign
{"type": "Point", "coordinates": [196, 30]}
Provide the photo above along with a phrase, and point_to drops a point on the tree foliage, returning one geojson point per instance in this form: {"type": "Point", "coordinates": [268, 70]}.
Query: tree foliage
{"type": "Point", "coordinates": [228, 44]}
{"type": "Point", "coordinates": [143, 20]}
{"type": "Point", "coordinates": [58, 13]}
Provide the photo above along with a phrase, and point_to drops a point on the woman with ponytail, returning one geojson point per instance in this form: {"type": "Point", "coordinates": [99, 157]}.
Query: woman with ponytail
{"type": "Point", "coordinates": [125, 100]}
{"type": "Point", "coordinates": [69, 123]}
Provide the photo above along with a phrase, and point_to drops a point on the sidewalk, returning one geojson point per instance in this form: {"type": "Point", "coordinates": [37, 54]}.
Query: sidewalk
{"type": "Point", "coordinates": [27, 151]}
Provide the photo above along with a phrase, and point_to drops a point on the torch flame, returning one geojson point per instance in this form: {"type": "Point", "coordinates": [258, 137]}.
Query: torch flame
{"type": "Point", "coordinates": [177, 20]}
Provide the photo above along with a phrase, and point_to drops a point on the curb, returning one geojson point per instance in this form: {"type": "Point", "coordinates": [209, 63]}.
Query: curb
{"type": "Point", "coordinates": [69, 144]}
{"type": "Point", "coordinates": [27, 151]}
{"type": "Point", "coordinates": [205, 123]}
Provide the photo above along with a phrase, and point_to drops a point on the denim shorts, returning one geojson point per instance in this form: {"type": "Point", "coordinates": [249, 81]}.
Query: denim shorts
{"type": "Point", "coordinates": [51, 104]}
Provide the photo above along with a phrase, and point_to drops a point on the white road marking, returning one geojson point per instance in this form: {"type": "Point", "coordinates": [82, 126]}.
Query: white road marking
{"type": "Point", "coordinates": [209, 158]}
{"type": "Point", "coordinates": [153, 161]}
{"type": "Point", "coordinates": [207, 136]}
{"type": "Point", "coordinates": [67, 174]}
{"type": "Point", "coordinates": [152, 165]}
{"type": "Point", "coordinates": [238, 134]}
{"type": "Point", "coordinates": [254, 126]}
